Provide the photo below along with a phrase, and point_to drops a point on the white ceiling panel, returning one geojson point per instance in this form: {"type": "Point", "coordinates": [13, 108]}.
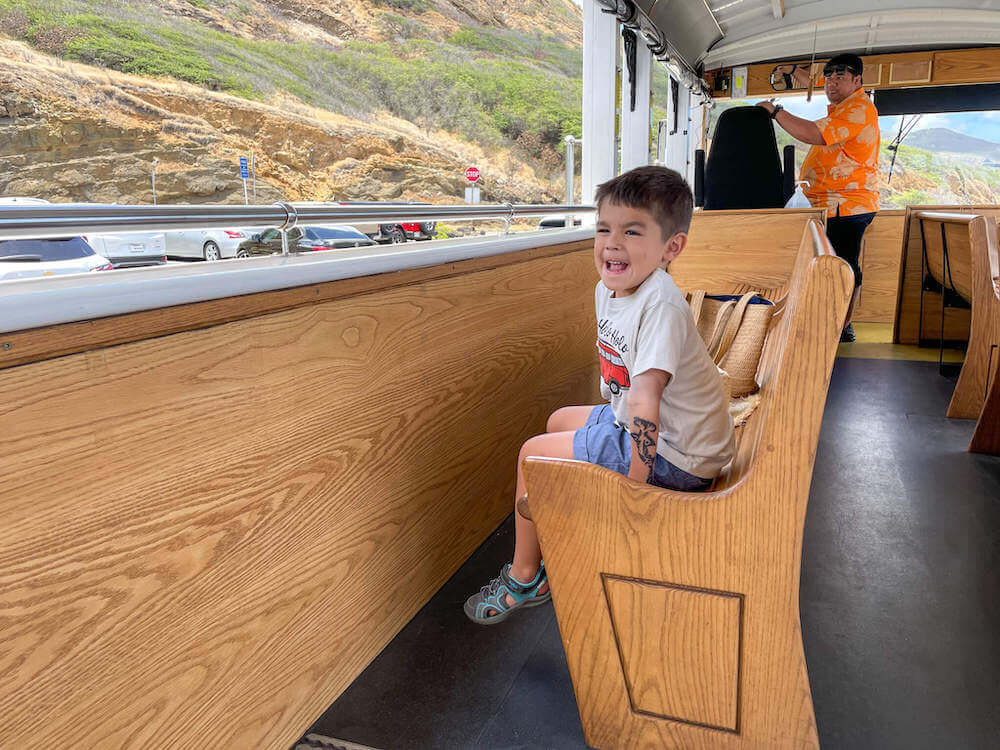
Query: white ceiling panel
{"type": "Point", "coordinates": [754, 32]}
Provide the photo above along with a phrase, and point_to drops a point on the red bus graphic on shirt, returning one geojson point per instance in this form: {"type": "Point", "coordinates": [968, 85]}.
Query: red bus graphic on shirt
{"type": "Point", "coordinates": [613, 371]}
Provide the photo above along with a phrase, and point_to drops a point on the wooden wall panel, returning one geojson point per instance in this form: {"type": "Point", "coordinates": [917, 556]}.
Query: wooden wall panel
{"type": "Point", "coordinates": [208, 534]}
{"type": "Point", "coordinates": [20, 347]}
{"type": "Point", "coordinates": [881, 257]}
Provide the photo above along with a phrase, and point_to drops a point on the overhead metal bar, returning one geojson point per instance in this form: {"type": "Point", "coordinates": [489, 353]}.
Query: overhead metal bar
{"type": "Point", "coordinates": [56, 220]}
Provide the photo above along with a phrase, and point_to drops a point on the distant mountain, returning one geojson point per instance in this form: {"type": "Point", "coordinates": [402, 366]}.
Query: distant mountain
{"type": "Point", "coordinates": [943, 139]}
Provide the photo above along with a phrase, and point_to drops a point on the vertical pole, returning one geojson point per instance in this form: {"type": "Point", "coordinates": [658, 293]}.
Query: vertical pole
{"type": "Point", "coordinates": [600, 53]}
{"type": "Point", "coordinates": [153, 176]}
{"type": "Point", "coordinates": [246, 199]}
{"type": "Point", "coordinates": [253, 176]}
{"type": "Point", "coordinates": [696, 132]}
{"type": "Point", "coordinates": [284, 242]}
{"type": "Point", "coordinates": [635, 123]}
{"type": "Point", "coordinates": [570, 168]}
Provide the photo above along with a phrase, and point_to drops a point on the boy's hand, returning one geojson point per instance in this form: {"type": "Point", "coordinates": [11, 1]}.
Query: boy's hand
{"type": "Point", "coordinates": [644, 396]}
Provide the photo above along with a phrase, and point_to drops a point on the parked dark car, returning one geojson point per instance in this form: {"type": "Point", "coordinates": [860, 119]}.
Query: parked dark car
{"type": "Point", "coordinates": [557, 222]}
{"type": "Point", "coordinates": [305, 239]}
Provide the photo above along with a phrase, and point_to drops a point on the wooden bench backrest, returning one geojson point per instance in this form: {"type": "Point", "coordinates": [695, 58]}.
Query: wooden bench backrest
{"type": "Point", "coordinates": [948, 250]}
{"type": "Point", "coordinates": [733, 252]}
{"type": "Point", "coordinates": [748, 436]}
{"type": "Point", "coordinates": [910, 308]}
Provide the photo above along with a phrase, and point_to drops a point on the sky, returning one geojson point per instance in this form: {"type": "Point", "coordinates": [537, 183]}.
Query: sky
{"type": "Point", "coordinates": [985, 125]}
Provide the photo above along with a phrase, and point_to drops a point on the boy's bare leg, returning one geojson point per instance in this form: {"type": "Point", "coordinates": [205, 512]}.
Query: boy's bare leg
{"type": "Point", "coordinates": [568, 418]}
{"type": "Point", "coordinates": [527, 553]}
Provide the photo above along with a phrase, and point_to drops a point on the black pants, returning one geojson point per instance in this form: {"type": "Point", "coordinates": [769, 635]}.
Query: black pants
{"type": "Point", "coordinates": [845, 233]}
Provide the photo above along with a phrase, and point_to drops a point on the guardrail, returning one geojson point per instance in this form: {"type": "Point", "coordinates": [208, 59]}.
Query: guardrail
{"type": "Point", "coordinates": [33, 303]}
{"type": "Point", "coordinates": [60, 220]}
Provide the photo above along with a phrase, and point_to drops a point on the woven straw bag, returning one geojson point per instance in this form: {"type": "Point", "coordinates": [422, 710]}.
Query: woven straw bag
{"type": "Point", "coordinates": [733, 329]}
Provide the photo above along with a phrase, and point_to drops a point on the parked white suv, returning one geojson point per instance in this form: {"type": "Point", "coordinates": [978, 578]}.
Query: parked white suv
{"type": "Point", "coordinates": [51, 256]}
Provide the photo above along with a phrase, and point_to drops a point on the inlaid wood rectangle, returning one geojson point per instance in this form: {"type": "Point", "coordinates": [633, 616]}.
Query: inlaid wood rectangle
{"type": "Point", "coordinates": [679, 649]}
{"type": "Point", "coordinates": [911, 71]}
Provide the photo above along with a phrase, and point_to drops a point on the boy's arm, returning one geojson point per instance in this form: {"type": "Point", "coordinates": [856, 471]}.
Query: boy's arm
{"type": "Point", "coordinates": [644, 395]}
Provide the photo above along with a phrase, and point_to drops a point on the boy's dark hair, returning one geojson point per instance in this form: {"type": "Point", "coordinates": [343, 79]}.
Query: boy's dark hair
{"type": "Point", "coordinates": [661, 191]}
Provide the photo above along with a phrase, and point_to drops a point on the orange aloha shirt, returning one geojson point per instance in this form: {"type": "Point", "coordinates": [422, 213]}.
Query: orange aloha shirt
{"type": "Point", "coordinates": [844, 172]}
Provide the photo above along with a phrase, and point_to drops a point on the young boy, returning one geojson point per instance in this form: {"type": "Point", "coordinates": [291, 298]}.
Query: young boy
{"type": "Point", "coordinates": [667, 421]}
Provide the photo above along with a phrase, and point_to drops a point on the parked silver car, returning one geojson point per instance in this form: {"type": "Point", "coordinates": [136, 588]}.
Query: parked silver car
{"type": "Point", "coordinates": [205, 244]}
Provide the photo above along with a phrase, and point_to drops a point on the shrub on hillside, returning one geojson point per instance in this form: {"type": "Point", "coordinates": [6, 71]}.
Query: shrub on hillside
{"type": "Point", "coordinates": [53, 40]}
{"type": "Point", "coordinates": [14, 24]}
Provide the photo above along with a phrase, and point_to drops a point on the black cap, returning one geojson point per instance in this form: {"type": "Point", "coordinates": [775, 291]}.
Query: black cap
{"type": "Point", "coordinates": [846, 62]}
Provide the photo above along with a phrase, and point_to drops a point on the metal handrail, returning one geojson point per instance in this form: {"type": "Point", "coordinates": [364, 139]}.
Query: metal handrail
{"type": "Point", "coordinates": [60, 220]}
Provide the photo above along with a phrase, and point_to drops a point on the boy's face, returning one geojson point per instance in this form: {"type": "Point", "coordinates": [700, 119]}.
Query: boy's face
{"type": "Point", "coordinates": [628, 246]}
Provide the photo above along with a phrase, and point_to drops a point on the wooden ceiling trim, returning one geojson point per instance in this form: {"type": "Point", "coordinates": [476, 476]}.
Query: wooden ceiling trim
{"type": "Point", "coordinates": [946, 68]}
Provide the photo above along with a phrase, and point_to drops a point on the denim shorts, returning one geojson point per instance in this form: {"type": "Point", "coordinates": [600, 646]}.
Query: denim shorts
{"type": "Point", "coordinates": [604, 442]}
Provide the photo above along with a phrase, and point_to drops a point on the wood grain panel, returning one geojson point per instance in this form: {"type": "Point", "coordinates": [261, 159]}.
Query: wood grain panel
{"type": "Point", "coordinates": [966, 66]}
{"type": "Point", "coordinates": [745, 540]}
{"type": "Point", "coordinates": [746, 249]}
{"type": "Point", "coordinates": [207, 535]}
{"type": "Point", "coordinates": [880, 262]}
{"type": "Point", "coordinates": [36, 344]}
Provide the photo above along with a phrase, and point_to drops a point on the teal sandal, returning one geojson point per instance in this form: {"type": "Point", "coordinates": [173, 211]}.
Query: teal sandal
{"type": "Point", "coordinates": [493, 596]}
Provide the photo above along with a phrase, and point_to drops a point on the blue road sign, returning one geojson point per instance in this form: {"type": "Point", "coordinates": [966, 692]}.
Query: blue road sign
{"type": "Point", "coordinates": [244, 171]}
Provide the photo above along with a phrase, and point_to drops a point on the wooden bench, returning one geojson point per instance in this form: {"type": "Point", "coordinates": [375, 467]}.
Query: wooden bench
{"type": "Point", "coordinates": [248, 497]}
{"type": "Point", "coordinates": [959, 252]}
{"type": "Point", "coordinates": [679, 612]}
{"type": "Point", "coordinates": [917, 318]}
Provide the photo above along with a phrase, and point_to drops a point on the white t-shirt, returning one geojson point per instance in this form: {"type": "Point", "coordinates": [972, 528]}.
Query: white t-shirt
{"type": "Point", "coordinates": [653, 328]}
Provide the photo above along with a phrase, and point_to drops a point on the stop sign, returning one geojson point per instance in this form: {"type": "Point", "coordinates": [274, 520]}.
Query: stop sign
{"type": "Point", "coordinates": [472, 174]}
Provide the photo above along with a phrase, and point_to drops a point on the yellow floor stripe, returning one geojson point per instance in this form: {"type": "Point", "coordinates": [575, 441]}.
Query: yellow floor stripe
{"type": "Point", "coordinates": [874, 341]}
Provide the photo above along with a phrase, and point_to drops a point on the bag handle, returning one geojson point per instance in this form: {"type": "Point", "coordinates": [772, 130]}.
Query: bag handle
{"type": "Point", "coordinates": [722, 315]}
{"type": "Point", "coordinates": [697, 297]}
{"type": "Point", "coordinates": [732, 326]}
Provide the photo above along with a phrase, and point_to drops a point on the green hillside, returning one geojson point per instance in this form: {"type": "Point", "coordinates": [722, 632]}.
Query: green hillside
{"type": "Point", "coordinates": [488, 85]}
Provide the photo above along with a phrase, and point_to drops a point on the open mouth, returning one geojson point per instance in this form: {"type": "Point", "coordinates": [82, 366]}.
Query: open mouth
{"type": "Point", "coordinates": [615, 266]}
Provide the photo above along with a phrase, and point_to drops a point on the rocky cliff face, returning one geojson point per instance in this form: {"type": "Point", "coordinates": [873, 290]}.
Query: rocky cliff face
{"type": "Point", "coordinates": [339, 20]}
{"type": "Point", "coordinates": [71, 132]}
